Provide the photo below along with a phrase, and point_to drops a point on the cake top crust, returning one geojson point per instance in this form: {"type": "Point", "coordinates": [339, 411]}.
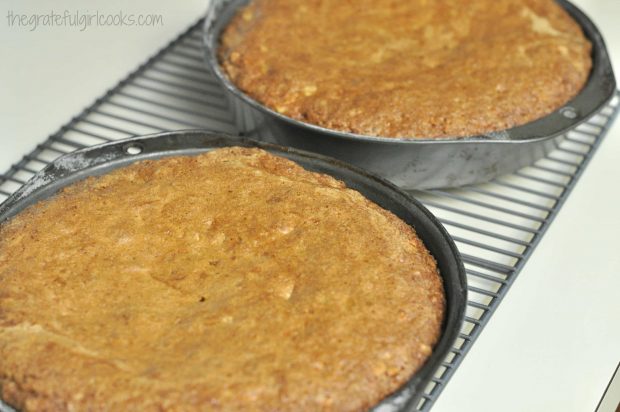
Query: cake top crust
{"type": "Point", "coordinates": [232, 280]}
{"type": "Point", "coordinates": [408, 69]}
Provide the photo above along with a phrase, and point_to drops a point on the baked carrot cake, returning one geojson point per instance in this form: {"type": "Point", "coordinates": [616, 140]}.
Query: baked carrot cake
{"type": "Point", "coordinates": [233, 280]}
{"type": "Point", "coordinates": [408, 69]}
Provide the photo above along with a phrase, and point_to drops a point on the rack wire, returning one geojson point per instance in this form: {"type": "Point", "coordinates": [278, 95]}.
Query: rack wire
{"type": "Point", "coordinates": [496, 225]}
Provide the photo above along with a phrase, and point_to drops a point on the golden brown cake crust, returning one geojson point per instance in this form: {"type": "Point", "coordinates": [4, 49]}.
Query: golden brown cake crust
{"type": "Point", "coordinates": [234, 280]}
{"type": "Point", "coordinates": [412, 69]}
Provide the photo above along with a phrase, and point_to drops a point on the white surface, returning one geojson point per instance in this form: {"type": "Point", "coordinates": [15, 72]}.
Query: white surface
{"type": "Point", "coordinates": [555, 340]}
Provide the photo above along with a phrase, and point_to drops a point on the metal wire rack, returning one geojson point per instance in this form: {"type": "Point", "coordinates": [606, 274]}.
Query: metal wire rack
{"type": "Point", "coordinates": [496, 225]}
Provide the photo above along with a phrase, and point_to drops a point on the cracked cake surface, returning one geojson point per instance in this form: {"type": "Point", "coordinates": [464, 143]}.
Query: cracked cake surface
{"type": "Point", "coordinates": [232, 280]}
{"type": "Point", "coordinates": [408, 69]}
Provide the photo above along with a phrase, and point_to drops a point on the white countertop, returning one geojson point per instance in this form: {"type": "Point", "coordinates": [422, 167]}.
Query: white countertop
{"type": "Point", "coordinates": [554, 342]}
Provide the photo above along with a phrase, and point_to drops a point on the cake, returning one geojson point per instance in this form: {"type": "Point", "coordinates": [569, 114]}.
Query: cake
{"type": "Point", "coordinates": [232, 280]}
{"type": "Point", "coordinates": [407, 69]}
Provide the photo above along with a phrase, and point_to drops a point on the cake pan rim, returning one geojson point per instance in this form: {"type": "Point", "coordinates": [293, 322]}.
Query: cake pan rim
{"type": "Point", "coordinates": [598, 91]}
{"type": "Point", "coordinates": [103, 158]}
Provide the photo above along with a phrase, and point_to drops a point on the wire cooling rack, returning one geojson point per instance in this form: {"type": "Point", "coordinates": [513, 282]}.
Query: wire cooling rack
{"type": "Point", "coordinates": [496, 225]}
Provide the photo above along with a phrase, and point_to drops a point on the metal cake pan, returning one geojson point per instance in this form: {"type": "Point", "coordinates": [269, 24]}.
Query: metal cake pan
{"type": "Point", "coordinates": [99, 160]}
{"type": "Point", "coordinates": [419, 163]}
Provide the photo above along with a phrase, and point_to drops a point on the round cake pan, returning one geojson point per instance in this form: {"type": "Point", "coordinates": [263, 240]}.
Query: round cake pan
{"type": "Point", "coordinates": [419, 163]}
{"type": "Point", "coordinates": [98, 160]}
